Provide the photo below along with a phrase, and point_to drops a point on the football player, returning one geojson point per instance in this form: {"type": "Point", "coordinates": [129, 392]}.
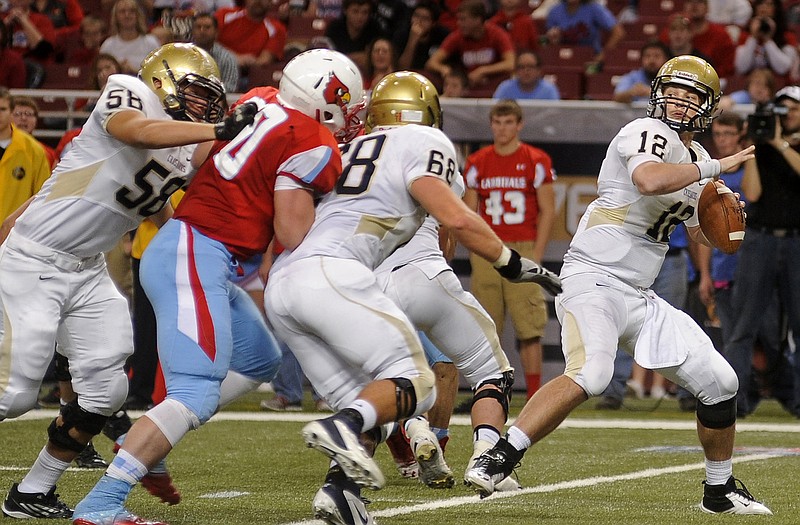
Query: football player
{"type": "Point", "coordinates": [419, 280]}
{"type": "Point", "coordinates": [364, 355]}
{"type": "Point", "coordinates": [649, 183]}
{"type": "Point", "coordinates": [134, 151]}
{"type": "Point", "coordinates": [260, 185]}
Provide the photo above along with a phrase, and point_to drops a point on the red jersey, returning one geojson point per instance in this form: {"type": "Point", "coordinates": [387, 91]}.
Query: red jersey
{"type": "Point", "coordinates": [230, 198]}
{"type": "Point", "coordinates": [506, 187]}
{"type": "Point", "coordinates": [520, 25]}
{"type": "Point", "coordinates": [18, 39]}
{"type": "Point", "coordinates": [245, 36]}
{"type": "Point", "coordinates": [474, 53]}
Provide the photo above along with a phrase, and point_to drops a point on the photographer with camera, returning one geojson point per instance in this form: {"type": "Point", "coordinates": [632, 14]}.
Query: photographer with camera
{"type": "Point", "coordinates": [771, 248]}
{"type": "Point", "coordinates": [768, 43]}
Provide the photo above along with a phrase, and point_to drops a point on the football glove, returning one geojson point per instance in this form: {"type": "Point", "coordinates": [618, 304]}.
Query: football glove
{"type": "Point", "coordinates": [521, 270]}
{"type": "Point", "coordinates": [238, 119]}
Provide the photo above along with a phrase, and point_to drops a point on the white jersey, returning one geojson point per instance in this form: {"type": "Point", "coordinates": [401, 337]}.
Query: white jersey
{"type": "Point", "coordinates": [102, 187]}
{"type": "Point", "coordinates": [625, 233]}
{"type": "Point", "coordinates": [423, 249]}
{"type": "Point", "coordinates": [371, 212]}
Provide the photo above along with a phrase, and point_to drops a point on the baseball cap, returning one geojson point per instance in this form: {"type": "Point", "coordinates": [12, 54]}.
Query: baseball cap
{"type": "Point", "coordinates": [790, 92]}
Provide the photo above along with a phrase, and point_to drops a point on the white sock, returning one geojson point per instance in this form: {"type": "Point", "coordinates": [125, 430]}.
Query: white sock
{"type": "Point", "coordinates": [367, 412]}
{"type": "Point", "coordinates": [126, 468]}
{"type": "Point", "coordinates": [488, 434]}
{"type": "Point", "coordinates": [518, 439]}
{"type": "Point", "coordinates": [43, 475]}
{"type": "Point", "coordinates": [718, 472]}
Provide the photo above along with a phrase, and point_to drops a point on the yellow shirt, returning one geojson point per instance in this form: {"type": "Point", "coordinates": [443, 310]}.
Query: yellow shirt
{"type": "Point", "coordinates": [23, 169]}
{"type": "Point", "coordinates": [147, 230]}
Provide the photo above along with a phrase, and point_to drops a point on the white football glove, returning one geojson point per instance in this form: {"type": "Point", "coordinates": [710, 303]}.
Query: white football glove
{"type": "Point", "coordinates": [521, 270]}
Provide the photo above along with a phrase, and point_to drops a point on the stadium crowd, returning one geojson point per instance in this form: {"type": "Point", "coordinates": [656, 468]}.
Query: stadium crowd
{"type": "Point", "coordinates": [509, 49]}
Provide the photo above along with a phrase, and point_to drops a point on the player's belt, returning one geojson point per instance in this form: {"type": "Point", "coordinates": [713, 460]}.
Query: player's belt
{"type": "Point", "coordinates": [61, 260]}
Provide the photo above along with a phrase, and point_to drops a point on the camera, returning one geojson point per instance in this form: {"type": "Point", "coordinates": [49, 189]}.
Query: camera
{"type": "Point", "coordinates": [761, 124]}
{"type": "Point", "coordinates": [764, 26]}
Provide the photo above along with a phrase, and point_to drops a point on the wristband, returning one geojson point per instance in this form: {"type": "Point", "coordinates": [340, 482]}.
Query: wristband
{"type": "Point", "coordinates": [505, 257]}
{"type": "Point", "coordinates": [708, 169]}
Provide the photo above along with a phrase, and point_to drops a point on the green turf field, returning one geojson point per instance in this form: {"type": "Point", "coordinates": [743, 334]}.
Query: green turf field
{"type": "Point", "coordinates": [590, 471]}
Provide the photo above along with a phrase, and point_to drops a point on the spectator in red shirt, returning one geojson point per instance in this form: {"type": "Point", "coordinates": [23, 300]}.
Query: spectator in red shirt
{"type": "Point", "coordinates": [12, 74]}
{"type": "Point", "coordinates": [514, 17]}
{"type": "Point", "coordinates": [92, 33]}
{"type": "Point", "coordinates": [66, 15]}
{"type": "Point", "coordinates": [32, 34]}
{"type": "Point", "coordinates": [484, 50]}
{"type": "Point", "coordinates": [710, 39]}
{"type": "Point", "coordinates": [254, 37]}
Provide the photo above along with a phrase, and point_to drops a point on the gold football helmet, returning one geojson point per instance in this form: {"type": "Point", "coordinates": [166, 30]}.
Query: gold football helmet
{"type": "Point", "coordinates": [688, 72]}
{"type": "Point", "coordinates": [404, 97]}
{"type": "Point", "coordinates": [187, 81]}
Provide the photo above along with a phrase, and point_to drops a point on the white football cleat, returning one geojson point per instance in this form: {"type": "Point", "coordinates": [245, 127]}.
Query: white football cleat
{"type": "Point", "coordinates": [433, 470]}
{"type": "Point", "coordinates": [731, 499]}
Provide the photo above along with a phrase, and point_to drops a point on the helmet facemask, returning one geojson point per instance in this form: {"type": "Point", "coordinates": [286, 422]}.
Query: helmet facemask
{"type": "Point", "coordinates": [693, 74]}
{"type": "Point", "coordinates": [697, 117]}
{"type": "Point", "coordinates": [187, 82]}
{"type": "Point", "coordinates": [197, 98]}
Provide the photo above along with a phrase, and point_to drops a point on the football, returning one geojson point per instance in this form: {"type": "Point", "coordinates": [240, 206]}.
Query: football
{"type": "Point", "coordinates": [721, 218]}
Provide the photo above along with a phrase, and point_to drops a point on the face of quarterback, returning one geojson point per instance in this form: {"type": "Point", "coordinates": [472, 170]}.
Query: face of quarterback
{"type": "Point", "coordinates": [505, 129]}
{"type": "Point", "coordinates": [676, 108]}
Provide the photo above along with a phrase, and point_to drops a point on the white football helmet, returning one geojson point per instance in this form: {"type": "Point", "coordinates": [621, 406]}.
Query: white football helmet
{"type": "Point", "coordinates": [327, 86]}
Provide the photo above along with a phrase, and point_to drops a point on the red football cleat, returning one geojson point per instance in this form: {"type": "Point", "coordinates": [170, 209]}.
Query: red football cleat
{"type": "Point", "coordinates": [160, 486]}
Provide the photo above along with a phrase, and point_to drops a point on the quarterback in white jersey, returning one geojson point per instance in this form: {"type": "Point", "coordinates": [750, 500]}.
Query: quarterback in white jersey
{"type": "Point", "coordinates": [54, 287]}
{"type": "Point", "coordinates": [649, 183]}
{"type": "Point", "coordinates": [357, 347]}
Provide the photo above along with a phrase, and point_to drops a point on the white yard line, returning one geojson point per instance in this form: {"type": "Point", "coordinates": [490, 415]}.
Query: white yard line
{"type": "Point", "coordinates": [542, 489]}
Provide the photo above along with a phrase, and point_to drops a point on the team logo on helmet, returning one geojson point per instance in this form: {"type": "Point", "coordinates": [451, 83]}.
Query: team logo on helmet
{"type": "Point", "coordinates": [336, 92]}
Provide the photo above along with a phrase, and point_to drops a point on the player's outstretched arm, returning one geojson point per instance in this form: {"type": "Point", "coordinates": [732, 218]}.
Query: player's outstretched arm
{"type": "Point", "coordinates": [134, 129]}
{"type": "Point", "coordinates": [472, 231]}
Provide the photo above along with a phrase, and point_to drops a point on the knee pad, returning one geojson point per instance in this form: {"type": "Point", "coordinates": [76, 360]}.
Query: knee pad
{"type": "Point", "coordinates": [73, 416]}
{"type": "Point", "coordinates": [173, 419]}
{"type": "Point", "coordinates": [405, 397]}
{"type": "Point", "coordinates": [61, 369]}
{"type": "Point", "coordinates": [720, 415]}
{"type": "Point", "coordinates": [502, 393]}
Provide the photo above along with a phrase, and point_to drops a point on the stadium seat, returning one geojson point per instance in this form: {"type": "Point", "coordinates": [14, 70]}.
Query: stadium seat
{"type": "Point", "coordinates": [622, 60]}
{"type": "Point", "coordinates": [65, 76]}
{"type": "Point", "coordinates": [269, 75]}
{"type": "Point", "coordinates": [600, 86]}
{"type": "Point", "coordinates": [566, 57]}
{"type": "Point", "coordinates": [569, 83]}
{"type": "Point", "coordinates": [639, 32]}
{"type": "Point", "coordinates": [304, 29]}
{"type": "Point", "coordinates": [659, 9]}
